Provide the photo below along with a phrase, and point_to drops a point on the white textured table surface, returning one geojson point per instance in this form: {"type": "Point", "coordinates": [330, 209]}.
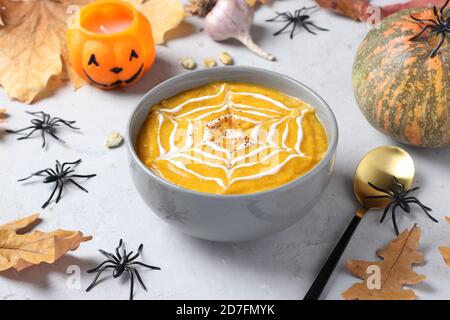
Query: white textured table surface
{"type": "Point", "coordinates": [281, 266]}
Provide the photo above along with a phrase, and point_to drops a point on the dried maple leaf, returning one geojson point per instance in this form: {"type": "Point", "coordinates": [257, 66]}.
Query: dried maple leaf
{"type": "Point", "coordinates": [395, 270]}
{"type": "Point", "coordinates": [32, 45]}
{"type": "Point", "coordinates": [20, 251]}
{"type": "Point", "coordinates": [445, 251]}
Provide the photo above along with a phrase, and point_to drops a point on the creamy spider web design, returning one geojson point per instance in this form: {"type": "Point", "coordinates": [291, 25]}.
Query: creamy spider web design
{"type": "Point", "coordinates": [227, 137]}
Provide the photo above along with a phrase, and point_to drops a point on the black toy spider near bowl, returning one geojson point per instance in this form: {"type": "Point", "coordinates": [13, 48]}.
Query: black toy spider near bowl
{"type": "Point", "coordinates": [121, 263]}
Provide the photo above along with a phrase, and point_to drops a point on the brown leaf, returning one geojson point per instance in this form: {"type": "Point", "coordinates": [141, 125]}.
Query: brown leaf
{"type": "Point", "coordinates": [164, 15]}
{"type": "Point", "coordinates": [354, 9]}
{"type": "Point", "coordinates": [199, 8]}
{"type": "Point", "coordinates": [395, 270]}
{"type": "Point", "coordinates": [445, 251]}
{"type": "Point", "coordinates": [358, 9]}
{"type": "Point", "coordinates": [20, 251]}
{"type": "Point", "coordinates": [32, 45]}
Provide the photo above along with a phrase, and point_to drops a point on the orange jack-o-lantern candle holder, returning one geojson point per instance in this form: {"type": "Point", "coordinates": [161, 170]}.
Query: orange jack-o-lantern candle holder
{"type": "Point", "coordinates": [110, 44]}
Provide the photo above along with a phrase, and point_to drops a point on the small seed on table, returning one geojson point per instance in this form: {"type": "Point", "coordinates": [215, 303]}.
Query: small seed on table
{"type": "Point", "coordinates": [114, 140]}
{"type": "Point", "coordinates": [188, 63]}
{"type": "Point", "coordinates": [226, 58]}
{"type": "Point", "coordinates": [209, 63]}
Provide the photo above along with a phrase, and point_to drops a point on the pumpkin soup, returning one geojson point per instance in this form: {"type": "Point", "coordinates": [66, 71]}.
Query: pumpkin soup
{"type": "Point", "coordinates": [231, 138]}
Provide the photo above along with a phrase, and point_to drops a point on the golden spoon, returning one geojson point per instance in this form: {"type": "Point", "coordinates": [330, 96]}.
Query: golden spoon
{"type": "Point", "coordinates": [377, 167]}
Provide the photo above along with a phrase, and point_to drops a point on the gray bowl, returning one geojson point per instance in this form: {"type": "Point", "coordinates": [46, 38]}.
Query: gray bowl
{"type": "Point", "coordinates": [231, 217]}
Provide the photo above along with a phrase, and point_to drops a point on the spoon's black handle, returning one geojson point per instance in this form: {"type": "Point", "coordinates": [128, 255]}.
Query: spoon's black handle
{"type": "Point", "coordinates": [322, 278]}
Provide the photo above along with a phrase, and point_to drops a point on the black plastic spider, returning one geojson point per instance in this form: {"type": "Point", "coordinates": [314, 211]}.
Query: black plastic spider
{"type": "Point", "coordinates": [60, 175]}
{"type": "Point", "coordinates": [439, 26]}
{"type": "Point", "coordinates": [297, 19]}
{"type": "Point", "coordinates": [45, 123]}
{"type": "Point", "coordinates": [120, 264]}
{"type": "Point", "coordinates": [400, 199]}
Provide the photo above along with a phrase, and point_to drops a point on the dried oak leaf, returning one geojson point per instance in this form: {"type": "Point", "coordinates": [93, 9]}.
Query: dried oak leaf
{"type": "Point", "coordinates": [32, 45]}
{"type": "Point", "coordinates": [445, 251]}
{"type": "Point", "coordinates": [395, 270]}
{"type": "Point", "coordinates": [20, 251]}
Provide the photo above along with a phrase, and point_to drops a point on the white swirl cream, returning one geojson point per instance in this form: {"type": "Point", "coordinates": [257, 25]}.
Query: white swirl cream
{"type": "Point", "coordinates": [231, 138]}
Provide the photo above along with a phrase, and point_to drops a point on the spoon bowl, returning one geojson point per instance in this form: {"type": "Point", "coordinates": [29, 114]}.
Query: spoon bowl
{"type": "Point", "coordinates": [379, 167]}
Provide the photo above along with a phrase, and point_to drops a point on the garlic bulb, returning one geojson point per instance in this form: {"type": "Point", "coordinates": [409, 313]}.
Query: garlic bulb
{"type": "Point", "coordinates": [233, 19]}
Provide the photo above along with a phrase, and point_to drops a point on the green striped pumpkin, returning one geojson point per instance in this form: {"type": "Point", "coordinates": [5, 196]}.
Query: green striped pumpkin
{"type": "Point", "coordinates": [398, 87]}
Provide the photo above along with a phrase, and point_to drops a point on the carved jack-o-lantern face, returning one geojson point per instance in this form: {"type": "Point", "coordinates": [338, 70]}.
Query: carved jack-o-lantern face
{"type": "Point", "coordinates": [110, 44]}
{"type": "Point", "coordinates": [110, 65]}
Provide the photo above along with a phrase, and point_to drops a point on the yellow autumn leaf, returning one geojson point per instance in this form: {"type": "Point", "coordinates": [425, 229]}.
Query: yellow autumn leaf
{"type": "Point", "coordinates": [164, 15]}
{"type": "Point", "coordinates": [394, 271]}
{"type": "Point", "coordinates": [32, 45]}
{"type": "Point", "coordinates": [20, 251]}
{"type": "Point", "coordinates": [445, 251]}
{"type": "Point", "coordinates": [252, 3]}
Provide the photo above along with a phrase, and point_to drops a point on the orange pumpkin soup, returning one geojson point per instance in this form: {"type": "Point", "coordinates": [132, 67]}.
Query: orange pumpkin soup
{"type": "Point", "coordinates": [231, 138]}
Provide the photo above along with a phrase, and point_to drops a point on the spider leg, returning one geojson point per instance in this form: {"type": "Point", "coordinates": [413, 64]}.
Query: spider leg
{"type": "Point", "coordinates": [379, 189]}
{"type": "Point", "coordinates": [131, 284]}
{"type": "Point", "coordinates": [386, 210]}
{"type": "Point", "coordinates": [443, 7]}
{"type": "Point", "coordinates": [424, 20]}
{"type": "Point", "coordinates": [87, 176]}
{"type": "Point", "coordinates": [51, 196]}
{"type": "Point", "coordinates": [282, 29]}
{"type": "Point", "coordinates": [278, 15]}
{"type": "Point", "coordinates": [411, 190]}
{"type": "Point", "coordinates": [56, 137]}
{"type": "Point", "coordinates": [37, 173]}
{"type": "Point", "coordinates": [377, 197]}
{"type": "Point", "coordinates": [21, 130]}
{"type": "Point", "coordinates": [108, 255]}
{"type": "Point", "coordinates": [435, 51]}
{"type": "Point", "coordinates": [137, 254]}
{"type": "Point", "coordinates": [415, 199]}
{"type": "Point", "coordinates": [435, 11]}
{"type": "Point", "coordinates": [61, 186]}
{"type": "Point", "coordinates": [145, 265]}
{"type": "Point", "coordinates": [316, 26]}
{"type": "Point", "coordinates": [293, 29]}
{"type": "Point", "coordinates": [39, 113]}
{"type": "Point", "coordinates": [117, 249]}
{"type": "Point", "coordinates": [28, 135]}
{"type": "Point", "coordinates": [43, 138]}
{"type": "Point", "coordinates": [308, 29]}
{"type": "Point", "coordinates": [74, 163]}
{"type": "Point", "coordinates": [138, 276]}
{"type": "Point", "coordinates": [424, 208]}
{"type": "Point", "coordinates": [72, 181]}
{"type": "Point", "coordinates": [394, 219]}
{"type": "Point", "coordinates": [421, 32]}
{"type": "Point", "coordinates": [98, 275]}
{"type": "Point", "coordinates": [56, 121]}
{"type": "Point", "coordinates": [100, 265]}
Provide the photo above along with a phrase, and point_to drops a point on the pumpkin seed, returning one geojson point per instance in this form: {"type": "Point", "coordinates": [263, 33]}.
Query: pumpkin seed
{"type": "Point", "coordinates": [114, 140]}
{"type": "Point", "coordinates": [209, 63]}
{"type": "Point", "coordinates": [188, 63]}
{"type": "Point", "coordinates": [226, 58]}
